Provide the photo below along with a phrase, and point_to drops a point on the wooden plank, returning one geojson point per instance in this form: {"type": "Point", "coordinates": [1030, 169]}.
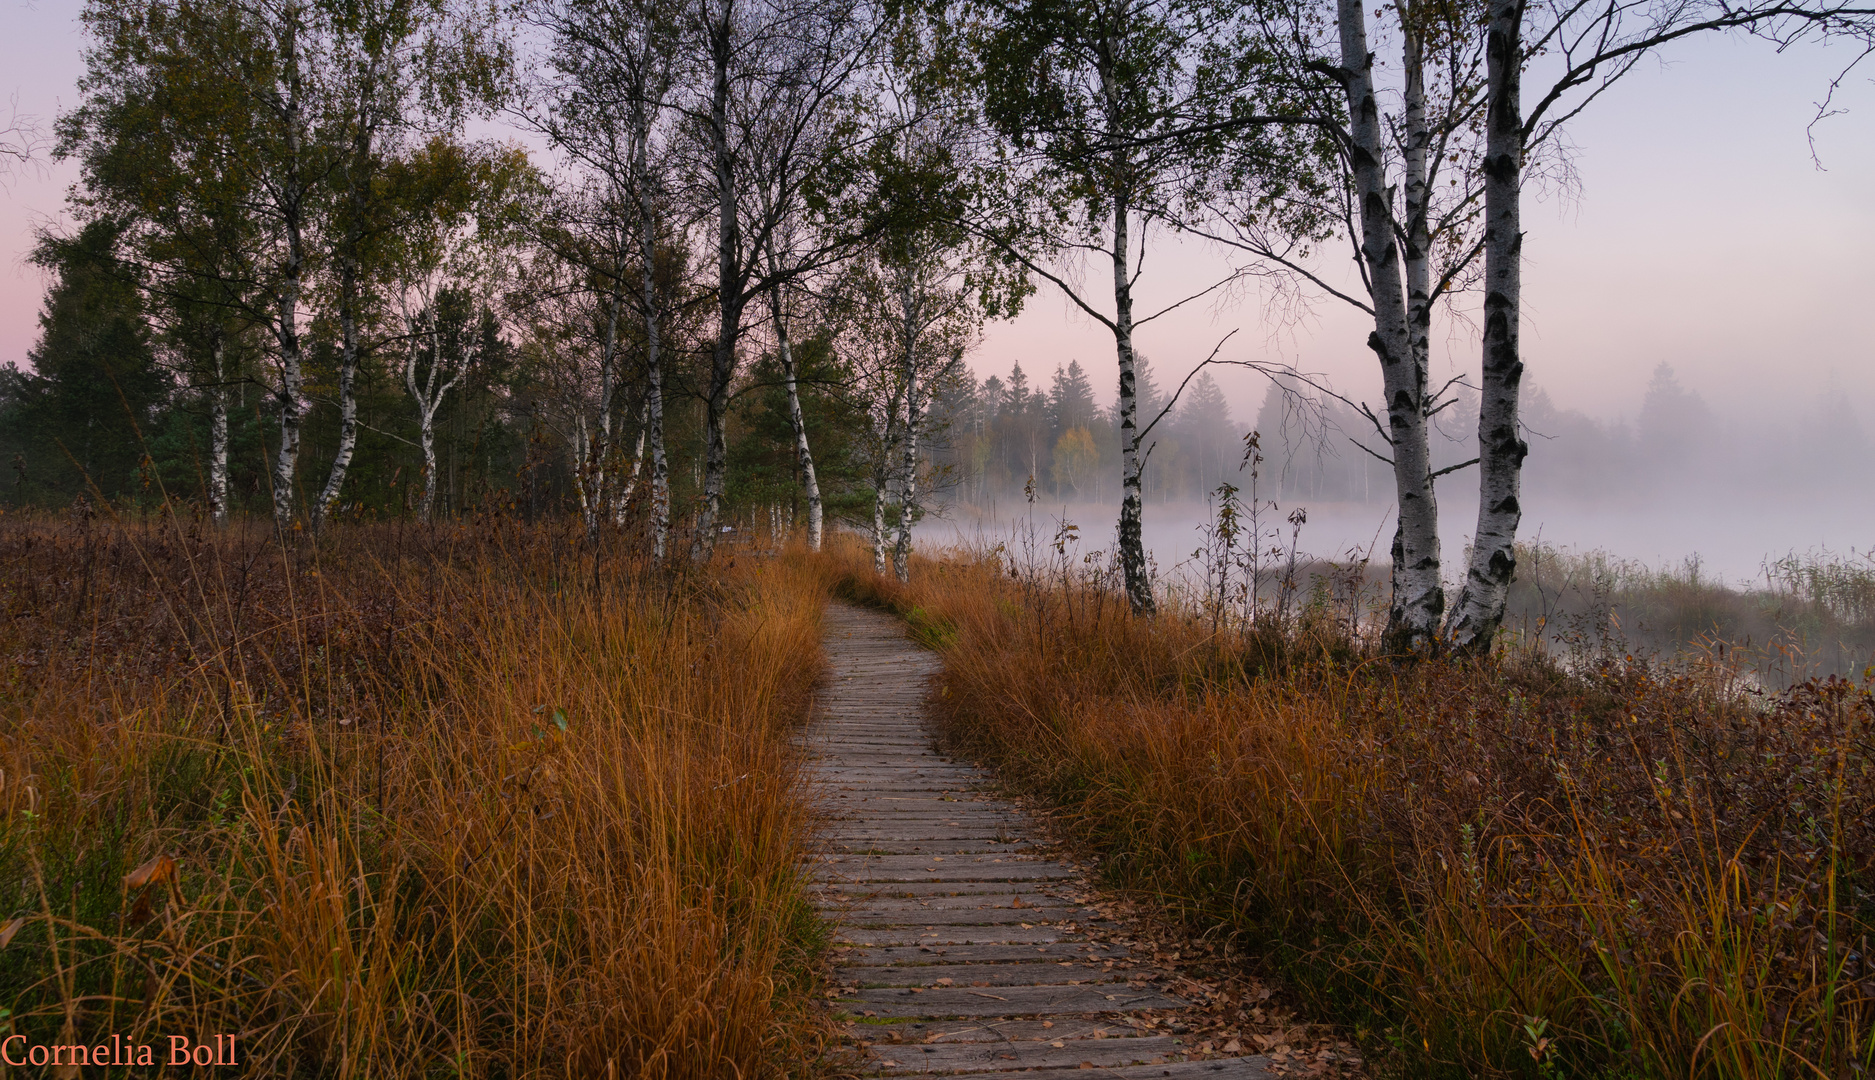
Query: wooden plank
{"type": "Point", "coordinates": [1241, 1068]}
{"type": "Point", "coordinates": [978, 1057]}
{"type": "Point", "coordinates": [883, 847]}
{"type": "Point", "coordinates": [1005, 1001]}
{"type": "Point", "coordinates": [1040, 892]}
{"type": "Point", "coordinates": [926, 954]}
{"type": "Point", "coordinates": [976, 976]}
{"type": "Point", "coordinates": [946, 935]}
{"type": "Point", "coordinates": [966, 829]}
{"type": "Point", "coordinates": [992, 1030]}
{"type": "Point", "coordinates": [856, 916]}
{"type": "Point", "coordinates": [1004, 900]}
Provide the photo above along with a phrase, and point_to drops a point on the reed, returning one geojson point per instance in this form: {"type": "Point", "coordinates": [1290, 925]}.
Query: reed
{"type": "Point", "coordinates": [1482, 868]}
{"type": "Point", "coordinates": [472, 800]}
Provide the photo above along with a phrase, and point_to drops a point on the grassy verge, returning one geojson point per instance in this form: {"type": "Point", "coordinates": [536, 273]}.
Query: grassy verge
{"type": "Point", "coordinates": [1484, 869]}
{"type": "Point", "coordinates": [406, 802]}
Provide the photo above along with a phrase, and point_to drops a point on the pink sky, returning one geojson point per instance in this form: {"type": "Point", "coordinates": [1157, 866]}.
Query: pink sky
{"type": "Point", "coordinates": [1702, 236]}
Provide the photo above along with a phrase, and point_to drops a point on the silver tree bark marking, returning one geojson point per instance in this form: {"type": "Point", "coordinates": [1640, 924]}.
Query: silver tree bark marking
{"type": "Point", "coordinates": [1501, 450]}
{"type": "Point", "coordinates": [1418, 596]}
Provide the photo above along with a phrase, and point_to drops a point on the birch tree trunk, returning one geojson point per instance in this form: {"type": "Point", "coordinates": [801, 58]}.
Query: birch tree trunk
{"type": "Point", "coordinates": [887, 432]}
{"type": "Point", "coordinates": [218, 438]}
{"type": "Point", "coordinates": [1418, 595]}
{"type": "Point", "coordinates": [802, 452]}
{"type": "Point", "coordinates": [878, 527]}
{"type": "Point", "coordinates": [653, 429]}
{"type": "Point", "coordinates": [291, 196]}
{"type": "Point", "coordinates": [592, 485]}
{"type": "Point", "coordinates": [622, 501]}
{"type": "Point", "coordinates": [348, 396]}
{"type": "Point", "coordinates": [1417, 253]}
{"type": "Point", "coordinates": [429, 398]}
{"type": "Point", "coordinates": [729, 296]}
{"type": "Point", "coordinates": [1501, 450]}
{"type": "Point", "coordinates": [292, 380]}
{"type": "Point", "coordinates": [654, 423]}
{"type": "Point", "coordinates": [908, 470]}
{"type": "Point", "coordinates": [428, 435]}
{"type": "Point", "coordinates": [357, 191]}
{"type": "Point", "coordinates": [1132, 464]}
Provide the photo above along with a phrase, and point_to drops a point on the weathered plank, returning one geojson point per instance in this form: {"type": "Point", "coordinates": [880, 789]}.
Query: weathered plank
{"type": "Point", "coordinates": [928, 877]}
{"type": "Point", "coordinates": [906, 955]}
{"type": "Point", "coordinates": [1004, 1001]}
{"type": "Point", "coordinates": [1238, 1068]}
{"type": "Point", "coordinates": [975, 976]}
{"type": "Point", "coordinates": [1056, 1053]}
{"type": "Point", "coordinates": [935, 934]}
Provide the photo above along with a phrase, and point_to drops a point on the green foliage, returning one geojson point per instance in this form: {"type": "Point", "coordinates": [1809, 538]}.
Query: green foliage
{"type": "Point", "coordinates": [76, 423]}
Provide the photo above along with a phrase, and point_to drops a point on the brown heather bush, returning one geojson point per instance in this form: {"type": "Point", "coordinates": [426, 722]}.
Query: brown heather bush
{"type": "Point", "coordinates": [1490, 868]}
{"type": "Point", "coordinates": [470, 800]}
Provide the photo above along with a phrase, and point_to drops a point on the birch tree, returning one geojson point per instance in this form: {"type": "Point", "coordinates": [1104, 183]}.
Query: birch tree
{"type": "Point", "coordinates": [198, 112]}
{"type": "Point", "coordinates": [395, 68]}
{"type": "Point", "coordinates": [1108, 118]}
{"type": "Point", "coordinates": [769, 76]}
{"type": "Point", "coordinates": [211, 129]}
{"type": "Point", "coordinates": [1594, 46]}
{"type": "Point", "coordinates": [446, 269]}
{"type": "Point", "coordinates": [1433, 188]}
{"type": "Point", "coordinates": [605, 105]}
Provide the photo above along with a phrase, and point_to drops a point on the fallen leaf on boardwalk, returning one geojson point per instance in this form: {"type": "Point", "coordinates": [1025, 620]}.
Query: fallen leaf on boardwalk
{"type": "Point", "coordinates": [942, 982]}
{"type": "Point", "coordinates": [1057, 1044]}
{"type": "Point", "coordinates": [1048, 1023]}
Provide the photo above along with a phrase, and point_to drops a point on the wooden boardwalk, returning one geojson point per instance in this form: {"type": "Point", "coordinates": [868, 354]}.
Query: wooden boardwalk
{"type": "Point", "coordinates": [957, 949]}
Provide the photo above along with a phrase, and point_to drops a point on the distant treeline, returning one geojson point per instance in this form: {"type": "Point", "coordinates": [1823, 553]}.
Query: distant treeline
{"type": "Point", "coordinates": [1005, 436]}
{"type": "Point", "coordinates": [100, 413]}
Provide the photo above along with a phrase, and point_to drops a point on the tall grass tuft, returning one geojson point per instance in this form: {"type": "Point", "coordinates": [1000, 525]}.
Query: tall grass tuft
{"type": "Point", "coordinates": [462, 801]}
{"type": "Point", "coordinates": [1494, 868]}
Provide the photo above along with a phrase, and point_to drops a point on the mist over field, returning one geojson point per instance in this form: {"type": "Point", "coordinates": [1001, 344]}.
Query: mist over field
{"type": "Point", "coordinates": [1667, 479]}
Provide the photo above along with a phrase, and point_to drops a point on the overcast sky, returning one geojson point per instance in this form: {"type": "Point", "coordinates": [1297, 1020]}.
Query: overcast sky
{"type": "Point", "coordinates": [1702, 234]}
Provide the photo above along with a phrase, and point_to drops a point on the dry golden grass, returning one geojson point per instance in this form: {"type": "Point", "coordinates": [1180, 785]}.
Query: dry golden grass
{"type": "Point", "coordinates": [406, 802]}
{"type": "Point", "coordinates": [1484, 869]}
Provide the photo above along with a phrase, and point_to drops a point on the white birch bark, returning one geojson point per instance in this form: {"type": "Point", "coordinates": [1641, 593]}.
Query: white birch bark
{"type": "Point", "coordinates": [878, 528]}
{"type": "Point", "coordinates": [593, 484]}
{"type": "Point", "coordinates": [886, 433]}
{"type": "Point", "coordinates": [428, 392]}
{"type": "Point", "coordinates": [348, 398]}
{"type": "Point", "coordinates": [1417, 252]}
{"type": "Point", "coordinates": [1418, 595]}
{"type": "Point", "coordinates": [358, 184]}
{"type": "Point", "coordinates": [290, 199]}
{"type": "Point", "coordinates": [908, 450]}
{"type": "Point", "coordinates": [729, 292]}
{"type": "Point", "coordinates": [654, 340]}
{"type": "Point", "coordinates": [1132, 463]}
{"type": "Point", "coordinates": [803, 453]}
{"type": "Point", "coordinates": [1501, 450]}
{"type": "Point", "coordinates": [218, 437]}
{"type": "Point", "coordinates": [629, 486]}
